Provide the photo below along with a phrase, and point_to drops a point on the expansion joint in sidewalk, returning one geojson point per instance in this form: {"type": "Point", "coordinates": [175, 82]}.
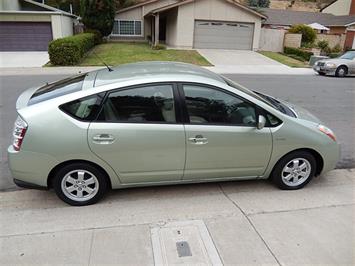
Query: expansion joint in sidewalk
{"type": "Point", "coordinates": [251, 224]}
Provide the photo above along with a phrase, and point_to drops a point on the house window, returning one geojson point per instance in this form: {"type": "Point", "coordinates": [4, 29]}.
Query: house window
{"type": "Point", "coordinates": [127, 28]}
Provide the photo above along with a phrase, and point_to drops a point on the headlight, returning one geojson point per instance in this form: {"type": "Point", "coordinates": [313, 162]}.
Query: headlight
{"type": "Point", "coordinates": [330, 65]}
{"type": "Point", "coordinates": [327, 131]}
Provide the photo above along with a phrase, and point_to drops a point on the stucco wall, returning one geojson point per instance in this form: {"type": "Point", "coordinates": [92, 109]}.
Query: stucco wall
{"type": "Point", "coordinates": [337, 30]}
{"type": "Point", "coordinates": [171, 27]}
{"type": "Point", "coordinates": [293, 40]}
{"type": "Point", "coordinates": [62, 26]}
{"type": "Point", "coordinates": [339, 8]}
{"type": "Point", "coordinates": [135, 13]}
{"type": "Point", "coordinates": [9, 5]}
{"type": "Point", "coordinates": [211, 10]}
{"type": "Point", "coordinates": [332, 39]}
{"type": "Point", "coordinates": [272, 40]}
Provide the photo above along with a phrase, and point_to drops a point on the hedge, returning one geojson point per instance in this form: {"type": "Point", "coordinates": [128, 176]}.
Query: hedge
{"type": "Point", "coordinates": [299, 52]}
{"type": "Point", "coordinates": [69, 50]}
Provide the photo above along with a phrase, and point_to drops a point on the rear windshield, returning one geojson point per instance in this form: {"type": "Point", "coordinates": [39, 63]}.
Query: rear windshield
{"type": "Point", "coordinates": [56, 89]}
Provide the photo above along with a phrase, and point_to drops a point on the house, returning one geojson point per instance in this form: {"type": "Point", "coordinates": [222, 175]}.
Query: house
{"type": "Point", "coordinates": [342, 8]}
{"type": "Point", "coordinates": [219, 24]}
{"type": "Point", "coordinates": [284, 19]}
{"type": "Point", "coordinates": [26, 25]}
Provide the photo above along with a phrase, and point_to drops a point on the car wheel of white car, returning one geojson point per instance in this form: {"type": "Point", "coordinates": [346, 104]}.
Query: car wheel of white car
{"type": "Point", "coordinates": [80, 184]}
{"type": "Point", "coordinates": [294, 170]}
{"type": "Point", "coordinates": [341, 71]}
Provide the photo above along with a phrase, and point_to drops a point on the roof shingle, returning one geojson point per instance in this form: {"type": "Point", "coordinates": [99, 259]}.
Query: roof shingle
{"type": "Point", "coordinates": [291, 17]}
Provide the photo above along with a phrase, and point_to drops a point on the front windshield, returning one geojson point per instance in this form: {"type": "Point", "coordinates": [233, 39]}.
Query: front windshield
{"type": "Point", "coordinates": [274, 103]}
{"type": "Point", "coordinates": [348, 55]}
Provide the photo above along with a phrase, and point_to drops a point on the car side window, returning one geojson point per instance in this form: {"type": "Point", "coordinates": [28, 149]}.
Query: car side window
{"type": "Point", "coordinates": [211, 106]}
{"type": "Point", "coordinates": [148, 104]}
{"type": "Point", "coordinates": [84, 109]}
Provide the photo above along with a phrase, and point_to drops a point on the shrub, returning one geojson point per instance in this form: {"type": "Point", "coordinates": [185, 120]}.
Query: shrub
{"type": "Point", "coordinates": [308, 34]}
{"type": "Point", "coordinates": [98, 15]}
{"type": "Point", "coordinates": [69, 50]}
{"type": "Point", "coordinates": [337, 49]}
{"type": "Point", "coordinates": [324, 47]}
{"type": "Point", "coordinates": [98, 35]}
{"type": "Point", "coordinates": [334, 55]}
{"type": "Point", "coordinates": [259, 3]}
{"type": "Point", "coordinates": [299, 52]}
{"type": "Point", "coordinates": [323, 44]}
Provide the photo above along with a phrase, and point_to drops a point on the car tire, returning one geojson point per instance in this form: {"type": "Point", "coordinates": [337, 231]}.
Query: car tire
{"type": "Point", "coordinates": [294, 171]}
{"type": "Point", "coordinates": [341, 71]}
{"type": "Point", "coordinates": [80, 184]}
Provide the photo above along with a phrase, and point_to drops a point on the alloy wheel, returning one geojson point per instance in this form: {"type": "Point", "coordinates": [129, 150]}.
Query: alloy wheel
{"type": "Point", "coordinates": [296, 172]}
{"type": "Point", "coordinates": [80, 185]}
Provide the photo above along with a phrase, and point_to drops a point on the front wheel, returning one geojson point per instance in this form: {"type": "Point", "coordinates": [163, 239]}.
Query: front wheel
{"type": "Point", "coordinates": [80, 184]}
{"type": "Point", "coordinates": [294, 171]}
{"type": "Point", "coordinates": [341, 71]}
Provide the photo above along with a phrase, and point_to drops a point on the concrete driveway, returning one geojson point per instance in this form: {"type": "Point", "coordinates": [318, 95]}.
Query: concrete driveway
{"type": "Point", "coordinates": [247, 62]}
{"type": "Point", "coordinates": [23, 59]}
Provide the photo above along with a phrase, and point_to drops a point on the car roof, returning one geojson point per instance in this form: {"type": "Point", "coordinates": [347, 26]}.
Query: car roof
{"type": "Point", "coordinates": [143, 70]}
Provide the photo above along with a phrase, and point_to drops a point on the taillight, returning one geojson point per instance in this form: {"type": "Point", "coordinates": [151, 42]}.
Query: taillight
{"type": "Point", "coordinates": [19, 133]}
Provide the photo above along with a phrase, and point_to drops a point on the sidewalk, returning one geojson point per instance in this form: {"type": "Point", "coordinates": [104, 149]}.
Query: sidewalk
{"type": "Point", "coordinates": [246, 222]}
{"type": "Point", "coordinates": [23, 59]}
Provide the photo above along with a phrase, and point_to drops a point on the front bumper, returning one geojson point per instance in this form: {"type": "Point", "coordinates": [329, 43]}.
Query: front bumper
{"type": "Point", "coordinates": [324, 69]}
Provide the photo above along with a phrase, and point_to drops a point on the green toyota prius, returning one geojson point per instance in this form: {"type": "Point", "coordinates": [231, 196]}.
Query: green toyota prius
{"type": "Point", "coordinates": [160, 123]}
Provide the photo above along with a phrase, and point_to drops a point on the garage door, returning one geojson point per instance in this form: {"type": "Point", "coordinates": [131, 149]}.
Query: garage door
{"type": "Point", "coordinates": [223, 35]}
{"type": "Point", "coordinates": [25, 36]}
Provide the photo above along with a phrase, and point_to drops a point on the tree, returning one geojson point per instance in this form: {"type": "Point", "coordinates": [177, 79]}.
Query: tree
{"type": "Point", "coordinates": [308, 34]}
{"type": "Point", "coordinates": [259, 3]}
{"type": "Point", "coordinates": [98, 15]}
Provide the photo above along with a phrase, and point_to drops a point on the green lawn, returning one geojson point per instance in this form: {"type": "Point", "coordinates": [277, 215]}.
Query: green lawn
{"type": "Point", "coordinates": [121, 53]}
{"type": "Point", "coordinates": [284, 59]}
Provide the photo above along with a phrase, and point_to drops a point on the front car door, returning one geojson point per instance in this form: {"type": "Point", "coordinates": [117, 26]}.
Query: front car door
{"type": "Point", "coordinates": [221, 134]}
{"type": "Point", "coordinates": [138, 134]}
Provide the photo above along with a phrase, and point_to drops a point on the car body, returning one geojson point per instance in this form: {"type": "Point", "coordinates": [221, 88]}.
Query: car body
{"type": "Point", "coordinates": [160, 123]}
{"type": "Point", "coordinates": [340, 67]}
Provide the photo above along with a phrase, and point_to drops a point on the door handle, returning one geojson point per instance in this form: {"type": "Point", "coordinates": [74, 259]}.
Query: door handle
{"type": "Point", "coordinates": [103, 139]}
{"type": "Point", "coordinates": [198, 140]}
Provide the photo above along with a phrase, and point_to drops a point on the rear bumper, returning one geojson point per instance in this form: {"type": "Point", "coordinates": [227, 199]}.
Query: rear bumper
{"type": "Point", "coordinates": [30, 169]}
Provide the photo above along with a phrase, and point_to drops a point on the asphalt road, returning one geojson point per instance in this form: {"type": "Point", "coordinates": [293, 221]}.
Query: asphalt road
{"type": "Point", "coordinates": [331, 99]}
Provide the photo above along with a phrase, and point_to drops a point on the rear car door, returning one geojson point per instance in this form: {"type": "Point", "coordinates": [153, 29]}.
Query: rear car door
{"type": "Point", "coordinates": [222, 138]}
{"type": "Point", "coordinates": [138, 133]}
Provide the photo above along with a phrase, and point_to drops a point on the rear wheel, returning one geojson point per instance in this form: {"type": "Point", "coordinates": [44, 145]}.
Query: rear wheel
{"type": "Point", "coordinates": [341, 71]}
{"type": "Point", "coordinates": [294, 171]}
{"type": "Point", "coordinates": [80, 184]}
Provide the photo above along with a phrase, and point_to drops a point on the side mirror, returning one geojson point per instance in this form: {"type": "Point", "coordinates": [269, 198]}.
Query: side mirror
{"type": "Point", "coordinates": [261, 122]}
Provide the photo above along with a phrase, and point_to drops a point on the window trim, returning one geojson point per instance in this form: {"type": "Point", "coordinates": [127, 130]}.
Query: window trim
{"type": "Point", "coordinates": [258, 110]}
{"type": "Point", "coordinates": [129, 35]}
{"type": "Point", "coordinates": [177, 107]}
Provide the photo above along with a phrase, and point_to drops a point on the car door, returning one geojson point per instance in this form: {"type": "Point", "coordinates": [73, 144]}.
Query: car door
{"type": "Point", "coordinates": [137, 132]}
{"type": "Point", "coordinates": [222, 140]}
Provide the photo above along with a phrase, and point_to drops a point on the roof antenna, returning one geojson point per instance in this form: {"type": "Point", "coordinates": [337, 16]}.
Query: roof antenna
{"type": "Point", "coordinates": [102, 61]}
